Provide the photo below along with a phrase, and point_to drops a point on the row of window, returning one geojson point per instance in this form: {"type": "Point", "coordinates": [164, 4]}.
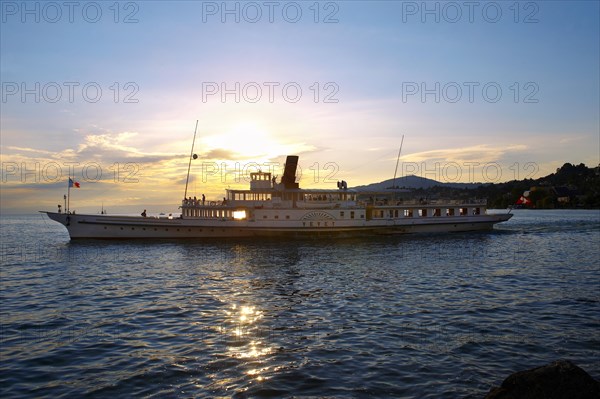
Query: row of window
{"type": "Point", "coordinates": [249, 196]}
{"type": "Point", "coordinates": [209, 213]}
{"type": "Point", "coordinates": [262, 196]}
{"type": "Point", "coordinates": [425, 212]}
{"type": "Point", "coordinates": [276, 217]}
{"type": "Point", "coordinates": [377, 213]}
{"type": "Point", "coordinates": [352, 215]}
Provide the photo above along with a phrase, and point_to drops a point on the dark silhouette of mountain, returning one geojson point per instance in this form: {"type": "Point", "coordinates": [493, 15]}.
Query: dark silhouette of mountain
{"type": "Point", "coordinates": [413, 182]}
{"type": "Point", "coordinates": [572, 186]}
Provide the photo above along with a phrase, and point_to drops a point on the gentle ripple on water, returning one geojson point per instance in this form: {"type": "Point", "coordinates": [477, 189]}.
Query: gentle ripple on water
{"type": "Point", "coordinates": [437, 316]}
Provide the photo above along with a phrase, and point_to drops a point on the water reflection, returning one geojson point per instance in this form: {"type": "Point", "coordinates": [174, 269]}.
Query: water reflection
{"type": "Point", "coordinates": [246, 338]}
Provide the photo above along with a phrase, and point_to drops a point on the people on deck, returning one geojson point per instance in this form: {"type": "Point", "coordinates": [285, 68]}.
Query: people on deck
{"type": "Point", "coordinates": [144, 213]}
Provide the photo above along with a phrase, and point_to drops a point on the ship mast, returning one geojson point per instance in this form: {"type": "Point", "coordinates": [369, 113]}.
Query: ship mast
{"type": "Point", "coordinates": [397, 161]}
{"type": "Point", "coordinates": [187, 179]}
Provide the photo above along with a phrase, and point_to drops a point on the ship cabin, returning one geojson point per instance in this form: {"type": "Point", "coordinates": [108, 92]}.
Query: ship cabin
{"type": "Point", "coordinates": [267, 197]}
{"type": "Point", "coordinates": [266, 193]}
{"type": "Point", "coordinates": [418, 209]}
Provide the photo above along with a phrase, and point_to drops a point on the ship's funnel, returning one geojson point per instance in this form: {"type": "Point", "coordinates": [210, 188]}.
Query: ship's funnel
{"type": "Point", "coordinates": [289, 173]}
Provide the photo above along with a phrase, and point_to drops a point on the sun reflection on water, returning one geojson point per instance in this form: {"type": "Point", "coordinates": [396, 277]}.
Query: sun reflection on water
{"type": "Point", "coordinates": [246, 340]}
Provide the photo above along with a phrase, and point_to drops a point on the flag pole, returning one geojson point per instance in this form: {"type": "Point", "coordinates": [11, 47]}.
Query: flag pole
{"type": "Point", "coordinates": [69, 193]}
{"type": "Point", "coordinates": [190, 163]}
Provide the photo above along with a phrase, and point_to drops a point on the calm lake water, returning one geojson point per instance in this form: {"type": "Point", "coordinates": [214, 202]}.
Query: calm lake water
{"type": "Point", "coordinates": [424, 316]}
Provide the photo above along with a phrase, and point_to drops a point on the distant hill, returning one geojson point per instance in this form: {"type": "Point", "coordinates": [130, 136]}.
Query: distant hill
{"type": "Point", "coordinates": [572, 186]}
{"type": "Point", "coordinates": [413, 182]}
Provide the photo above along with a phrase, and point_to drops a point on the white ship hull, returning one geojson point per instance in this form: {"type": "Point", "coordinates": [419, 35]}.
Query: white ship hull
{"type": "Point", "coordinates": [127, 227]}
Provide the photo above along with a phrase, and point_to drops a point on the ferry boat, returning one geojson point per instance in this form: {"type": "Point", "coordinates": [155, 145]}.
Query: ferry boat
{"type": "Point", "coordinates": [271, 208]}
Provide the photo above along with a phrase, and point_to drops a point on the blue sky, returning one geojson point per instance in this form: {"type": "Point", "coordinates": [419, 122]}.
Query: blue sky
{"type": "Point", "coordinates": [370, 63]}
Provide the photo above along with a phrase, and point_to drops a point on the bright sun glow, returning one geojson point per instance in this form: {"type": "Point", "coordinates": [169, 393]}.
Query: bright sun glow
{"type": "Point", "coordinates": [248, 140]}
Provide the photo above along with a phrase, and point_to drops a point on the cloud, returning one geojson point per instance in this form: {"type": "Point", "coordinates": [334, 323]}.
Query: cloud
{"type": "Point", "coordinates": [117, 147]}
{"type": "Point", "coordinates": [106, 148]}
{"type": "Point", "coordinates": [25, 149]}
{"type": "Point", "coordinates": [219, 153]}
{"type": "Point", "coordinates": [478, 153]}
{"type": "Point", "coordinates": [106, 157]}
{"type": "Point", "coordinates": [572, 139]}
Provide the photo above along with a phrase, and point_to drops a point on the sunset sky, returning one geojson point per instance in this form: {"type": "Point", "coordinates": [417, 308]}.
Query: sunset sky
{"type": "Point", "coordinates": [481, 91]}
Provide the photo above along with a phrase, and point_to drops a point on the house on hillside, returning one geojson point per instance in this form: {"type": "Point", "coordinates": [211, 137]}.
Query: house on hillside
{"type": "Point", "coordinates": [564, 195]}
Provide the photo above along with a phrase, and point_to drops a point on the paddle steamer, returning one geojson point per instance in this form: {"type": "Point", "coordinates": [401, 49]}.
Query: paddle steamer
{"type": "Point", "coordinates": [271, 208]}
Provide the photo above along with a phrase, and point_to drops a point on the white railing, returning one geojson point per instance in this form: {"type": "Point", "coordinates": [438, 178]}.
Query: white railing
{"type": "Point", "coordinates": [427, 202]}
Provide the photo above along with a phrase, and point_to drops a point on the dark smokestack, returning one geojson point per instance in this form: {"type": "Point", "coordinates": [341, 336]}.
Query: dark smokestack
{"type": "Point", "coordinates": [289, 173]}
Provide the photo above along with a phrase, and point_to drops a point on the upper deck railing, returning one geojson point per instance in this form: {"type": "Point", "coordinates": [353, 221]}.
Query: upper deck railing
{"type": "Point", "coordinates": [424, 202]}
{"type": "Point", "coordinates": [191, 202]}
